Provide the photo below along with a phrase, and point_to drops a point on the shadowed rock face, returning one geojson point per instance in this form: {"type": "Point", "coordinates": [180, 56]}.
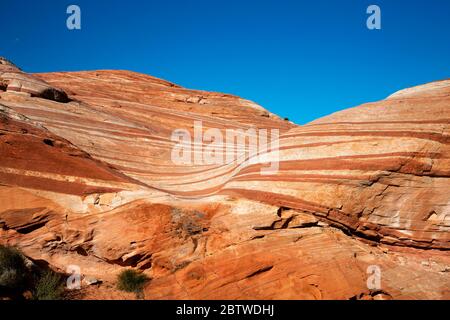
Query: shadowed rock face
{"type": "Point", "coordinates": [91, 183]}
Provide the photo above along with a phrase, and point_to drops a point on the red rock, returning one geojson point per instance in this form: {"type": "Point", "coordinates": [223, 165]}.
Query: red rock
{"type": "Point", "coordinates": [91, 183]}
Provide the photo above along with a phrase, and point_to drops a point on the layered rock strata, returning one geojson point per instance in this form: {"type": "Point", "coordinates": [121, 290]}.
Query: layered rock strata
{"type": "Point", "coordinates": [89, 180]}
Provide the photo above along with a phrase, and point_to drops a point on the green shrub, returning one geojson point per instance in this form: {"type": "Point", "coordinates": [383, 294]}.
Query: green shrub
{"type": "Point", "coordinates": [13, 271]}
{"type": "Point", "coordinates": [131, 281]}
{"type": "Point", "coordinates": [49, 287]}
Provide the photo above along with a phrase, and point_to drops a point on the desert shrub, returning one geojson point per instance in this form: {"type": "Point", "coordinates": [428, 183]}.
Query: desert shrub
{"type": "Point", "coordinates": [48, 287]}
{"type": "Point", "coordinates": [131, 281]}
{"type": "Point", "coordinates": [13, 270]}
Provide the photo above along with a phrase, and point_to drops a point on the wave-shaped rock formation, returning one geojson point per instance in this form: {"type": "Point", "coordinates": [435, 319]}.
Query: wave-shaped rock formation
{"type": "Point", "coordinates": [86, 179]}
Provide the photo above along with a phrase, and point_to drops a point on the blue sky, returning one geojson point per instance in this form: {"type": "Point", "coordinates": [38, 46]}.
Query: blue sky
{"type": "Point", "coordinates": [299, 59]}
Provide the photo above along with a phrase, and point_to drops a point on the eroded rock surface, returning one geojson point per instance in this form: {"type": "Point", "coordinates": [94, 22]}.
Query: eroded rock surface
{"type": "Point", "coordinates": [90, 182]}
{"type": "Point", "coordinates": [12, 79]}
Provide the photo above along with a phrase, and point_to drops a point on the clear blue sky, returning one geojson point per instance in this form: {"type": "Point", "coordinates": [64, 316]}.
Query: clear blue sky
{"type": "Point", "coordinates": [299, 59]}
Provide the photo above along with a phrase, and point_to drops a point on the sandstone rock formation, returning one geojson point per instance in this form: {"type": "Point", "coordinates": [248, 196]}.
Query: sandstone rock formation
{"type": "Point", "coordinates": [88, 180]}
{"type": "Point", "coordinates": [13, 79]}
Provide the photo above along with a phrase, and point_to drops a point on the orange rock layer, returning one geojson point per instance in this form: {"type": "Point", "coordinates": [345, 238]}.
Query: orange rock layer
{"type": "Point", "coordinates": [89, 181]}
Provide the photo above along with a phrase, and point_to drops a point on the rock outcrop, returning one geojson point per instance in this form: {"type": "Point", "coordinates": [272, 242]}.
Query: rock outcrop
{"type": "Point", "coordinates": [89, 181]}
{"type": "Point", "coordinates": [12, 79]}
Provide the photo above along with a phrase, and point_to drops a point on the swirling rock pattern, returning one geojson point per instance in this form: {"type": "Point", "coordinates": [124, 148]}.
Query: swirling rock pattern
{"type": "Point", "coordinates": [89, 181]}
